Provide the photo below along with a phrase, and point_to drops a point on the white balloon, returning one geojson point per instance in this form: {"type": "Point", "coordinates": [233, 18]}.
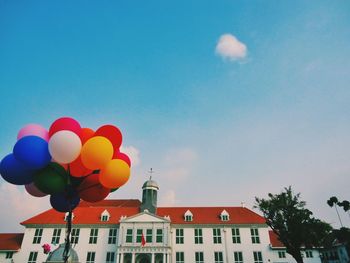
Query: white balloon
{"type": "Point", "coordinates": [64, 146]}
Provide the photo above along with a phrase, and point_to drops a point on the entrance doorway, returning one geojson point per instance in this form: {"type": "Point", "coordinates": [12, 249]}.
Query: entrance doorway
{"type": "Point", "coordinates": [143, 258]}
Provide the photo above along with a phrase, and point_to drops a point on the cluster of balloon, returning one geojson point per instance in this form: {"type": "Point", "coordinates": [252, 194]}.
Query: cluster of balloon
{"type": "Point", "coordinates": [67, 162]}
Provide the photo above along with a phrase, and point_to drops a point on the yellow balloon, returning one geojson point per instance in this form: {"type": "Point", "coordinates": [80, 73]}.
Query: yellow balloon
{"type": "Point", "coordinates": [96, 152]}
{"type": "Point", "coordinates": [115, 174]}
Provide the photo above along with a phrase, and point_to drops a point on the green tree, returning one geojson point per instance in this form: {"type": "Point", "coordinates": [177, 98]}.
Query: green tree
{"type": "Point", "coordinates": [294, 225]}
{"type": "Point", "coordinates": [333, 201]}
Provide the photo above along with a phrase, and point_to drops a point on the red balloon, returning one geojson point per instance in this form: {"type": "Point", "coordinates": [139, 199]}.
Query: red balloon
{"type": "Point", "coordinates": [112, 133]}
{"type": "Point", "coordinates": [91, 190]}
{"type": "Point", "coordinates": [65, 123]}
{"type": "Point", "coordinates": [86, 134]}
{"type": "Point", "coordinates": [77, 169]}
{"type": "Point", "coordinates": [122, 156]}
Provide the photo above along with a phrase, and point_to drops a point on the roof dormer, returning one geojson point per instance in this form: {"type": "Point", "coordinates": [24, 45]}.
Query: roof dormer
{"type": "Point", "coordinates": [224, 215]}
{"type": "Point", "coordinates": [66, 216]}
{"type": "Point", "coordinates": [105, 216]}
{"type": "Point", "coordinates": [188, 216]}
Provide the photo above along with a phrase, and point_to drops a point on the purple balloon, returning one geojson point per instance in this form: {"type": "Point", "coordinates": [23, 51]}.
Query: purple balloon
{"type": "Point", "coordinates": [35, 130]}
{"type": "Point", "coordinates": [16, 172]}
{"type": "Point", "coordinates": [63, 202]}
{"type": "Point", "coordinates": [33, 151]}
{"type": "Point", "coordinates": [33, 190]}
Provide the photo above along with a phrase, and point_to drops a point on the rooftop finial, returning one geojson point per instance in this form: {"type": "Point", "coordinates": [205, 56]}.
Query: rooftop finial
{"type": "Point", "coordinates": [151, 172]}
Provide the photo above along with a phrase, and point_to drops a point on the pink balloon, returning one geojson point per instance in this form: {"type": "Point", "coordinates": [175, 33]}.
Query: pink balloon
{"type": "Point", "coordinates": [33, 129]}
{"type": "Point", "coordinates": [33, 190]}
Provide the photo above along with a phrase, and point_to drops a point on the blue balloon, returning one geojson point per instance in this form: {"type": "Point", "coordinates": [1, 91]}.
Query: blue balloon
{"type": "Point", "coordinates": [16, 172]}
{"type": "Point", "coordinates": [63, 202]}
{"type": "Point", "coordinates": [33, 151]}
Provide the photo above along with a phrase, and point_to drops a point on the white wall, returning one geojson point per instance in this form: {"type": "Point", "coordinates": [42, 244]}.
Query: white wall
{"type": "Point", "coordinates": [189, 247]}
{"type": "Point", "coordinates": [83, 246]}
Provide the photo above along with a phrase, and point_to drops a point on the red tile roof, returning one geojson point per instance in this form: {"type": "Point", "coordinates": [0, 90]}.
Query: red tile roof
{"type": "Point", "coordinates": [113, 203]}
{"type": "Point", "coordinates": [211, 215]}
{"type": "Point", "coordinates": [90, 213]}
{"type": "Point", "coordinates": [10, 241]}
{"type": "Point", "coordinates": [275, 242]}
{"type": "Point", "coordinates": [83, 215]}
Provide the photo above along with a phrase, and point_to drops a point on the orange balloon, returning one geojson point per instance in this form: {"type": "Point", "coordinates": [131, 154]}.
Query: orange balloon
{"type": "Point", "coordinates": [96, 152]}
{"type": "Point", "coordinates": [115, 174]}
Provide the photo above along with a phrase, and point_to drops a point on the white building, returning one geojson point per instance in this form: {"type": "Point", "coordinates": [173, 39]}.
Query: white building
{"type": "Point", "coordinates": [128, 231]}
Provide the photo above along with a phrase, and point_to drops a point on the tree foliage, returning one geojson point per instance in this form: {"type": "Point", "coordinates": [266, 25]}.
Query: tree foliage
{"type": "Point", "coordinates": [294, 225]}
{"type": "Point", "coordinates": [345, 204]}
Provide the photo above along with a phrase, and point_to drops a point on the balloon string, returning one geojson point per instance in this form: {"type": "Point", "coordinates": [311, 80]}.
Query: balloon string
{"type": "Point", "coordinates": [68, 226]}
{"type": "Point", "coordinates": [68, 236]}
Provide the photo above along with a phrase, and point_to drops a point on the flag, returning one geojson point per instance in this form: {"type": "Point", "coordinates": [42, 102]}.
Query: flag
{"type": "Point", "coordinates": [143, 240]}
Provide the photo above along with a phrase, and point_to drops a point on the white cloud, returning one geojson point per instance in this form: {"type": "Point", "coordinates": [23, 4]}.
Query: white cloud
{"type": "Point", "coordinates": [179, 165]}
{"type": "Point", "coordinates": [230, 47]}
{"type": "Point", "coordinates": [18, 206]}
{"type": "Point", "coordinates": [133, 153]}
{"type": "Point", "coordinates": [169, 198]}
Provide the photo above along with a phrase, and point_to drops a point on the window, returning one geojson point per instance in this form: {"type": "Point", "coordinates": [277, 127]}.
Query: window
{"type": "Point", "coordinates": [112, 238]}
{"type": "Point", "coordinates": [159, 236]}
{"type": "Point", "coordinates": [216, 235]}
{"type": "Point", "coordinates": [56, 236]}
{"type": "Point", "coordinates": [93, 236]}
{"type": "Point", "coordinates": [180, 257]}
{"type": "Point", "coordinates": [257, 257]}
{"type": "Point", "coordinates": [282, 254]}
{"type": "Point", "coordinates": [149, 234]}
{"type": "Point", "coordinates": [75, 235]}
{"type": "Point", "coordinates": [110, 257]}
{"type": "Point", "coordinates": [198, 236]}
{"type": "Point", "coordinates": [199, 256]}
{"type": "Point", "coordinates": [218, 257]}
{"type": "Point", "coordinates": [179, 236]}
{"type": "Point", "coordinates": [37, 236]}
{"type": "Point", "coordinates": [138, 235]}
{"type": "Point", "coordinates": [255, 235]}
{"type": "Point", "coordinates": [129, 235]}
{"type": "Point", "coordinates": [90, 258]}
{"type": "Point", "coordinates": [238, 257]}
{"type": "Point", "coordinates": [105, 215]}
{"type": "Point", "coordinates": [224, 216]}
{"type": "Point", "coordinates": [9, 254]}
{"type": "Point", "coordinates": [32, 257]}
{"type": "Point", "coordinates": [236, 237]}
{"type": "Point", "coordinates": [188, 216]}
{"type": "Point", "coordinates": [308, 254]}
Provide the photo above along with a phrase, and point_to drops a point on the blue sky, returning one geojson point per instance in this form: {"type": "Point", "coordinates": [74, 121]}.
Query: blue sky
{"type": "Point", "coordinates": [217, 130]}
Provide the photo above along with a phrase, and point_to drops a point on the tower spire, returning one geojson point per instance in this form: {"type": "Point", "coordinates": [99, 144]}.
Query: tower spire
{"type": "Point", "coordinates": [150, 172]}
{"type": "Point", "coordinates": [149, 194]}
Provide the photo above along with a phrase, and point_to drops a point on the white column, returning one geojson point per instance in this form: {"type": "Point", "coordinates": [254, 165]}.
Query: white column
{"type": "Point", "coordinates": [152, 258]}
{"type": "Point", "coordinates": [132, 257]}
{"type": "Point", "coordinates": [163, 257]}
{"type": "Point", "coordinates": [122, 257]}
{"type": "Point", "coordinates": [117, 259]}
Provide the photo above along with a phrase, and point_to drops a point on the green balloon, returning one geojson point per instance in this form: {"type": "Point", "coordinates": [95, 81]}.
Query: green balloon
{"type": "Point", "coordinates": [52, 179]}
{"type": "Point", "coordinates": [114, 189]}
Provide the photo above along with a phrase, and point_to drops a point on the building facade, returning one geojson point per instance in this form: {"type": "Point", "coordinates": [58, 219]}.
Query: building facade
{"type": "Point", "coordinates": [130, 231]}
